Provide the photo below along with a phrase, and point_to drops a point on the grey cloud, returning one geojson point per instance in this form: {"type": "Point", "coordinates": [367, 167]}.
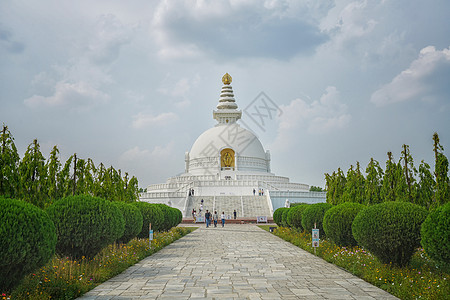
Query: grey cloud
{"type": "Point", "coordinates": [9, 43]}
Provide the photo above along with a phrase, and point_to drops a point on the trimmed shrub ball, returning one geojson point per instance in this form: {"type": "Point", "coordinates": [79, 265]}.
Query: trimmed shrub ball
{"type": "Point", "coordinates": [436, 234]}
{"type": "Point", "coordinates": [294, 217]}
{"type": "Point", "coordinates": [27, 240]}
{"type": "Point", "coordinates": [277, 215]}
{"type": "Point", "coordinates": [314, 213]}
{"type": "Point", "coordinates": [337, 223]}
{"type": "Point", "coordinates": [85, 225]}
{"type": "Point", "coordinates": [390, 230]}
{"type": "Point", "coordinates": [133, 221]}
{"type": "Point", "coordinates": [284, 214]}
{"type": "Point", "coordinates": [151, 213]}
{"type": "Point", "coordinates": [169, 217]}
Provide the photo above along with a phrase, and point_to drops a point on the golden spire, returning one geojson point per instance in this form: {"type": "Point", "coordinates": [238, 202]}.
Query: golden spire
{"type": "Point", "coordinates": [226, 79]}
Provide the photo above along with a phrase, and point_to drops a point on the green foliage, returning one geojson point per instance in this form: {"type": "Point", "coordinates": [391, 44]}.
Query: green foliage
{"type": "Point", "coordinates": [284, 215]}
{"type": "Point", "coordinates": [373, 183]}
{"type": "Point", "coordinates": [33, 176]}
{"type": "Point", "coordinates": [354, 186]}
{"type": "Point", "coordinates": [337, 223]}
{"type": "Point", "coordinates": [294, 217]}
{"type": "Point", "coordinates": [151, 214]}
{"type": "Point", "coordinates": [315, 189]}
{"type": "Point", "coordinates": [436, 234]}
{"type": "Point", "coordinates": [133, 221]}
{"type": "Point", "coordinates": [390, 230]}
{"type": "Point", "coordinates": [85, 225]}
{"type": "Point", "coordinates": [314, 214]}
{"type": "Point", "coordinates": [387, 191]}
{"type": "Point", "coordinates": [425, 189]}
{"type": "Point", "coordinates": [409, 173]}
{"type": "Point", "coordinates": [27, 240]}
{"type": "Point", "coordinates": [278, 215]}
{"type": "Point", "coordinates": [442, 194]}
{"type": "Point", "coordinates": [9, 165]}
{"type": "Point", "coordinates": [335, 184]}
{"type": "Point", "coordinates": [169, 217]}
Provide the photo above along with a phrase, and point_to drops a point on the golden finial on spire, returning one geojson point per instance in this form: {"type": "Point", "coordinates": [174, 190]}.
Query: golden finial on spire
{"type": "Point", "coordinates": [226, 79]}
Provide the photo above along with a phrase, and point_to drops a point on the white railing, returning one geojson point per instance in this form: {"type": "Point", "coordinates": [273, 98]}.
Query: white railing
{"type": "Point", "coordinates": [269, 202]}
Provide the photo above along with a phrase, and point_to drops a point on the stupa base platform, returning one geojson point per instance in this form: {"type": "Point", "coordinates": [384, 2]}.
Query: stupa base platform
{"type": "Point", "coordinates": [249, 220]}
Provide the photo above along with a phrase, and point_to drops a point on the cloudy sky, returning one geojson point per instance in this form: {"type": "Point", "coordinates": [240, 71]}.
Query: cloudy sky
{"type": "Point", "coordinates": [133, 83]}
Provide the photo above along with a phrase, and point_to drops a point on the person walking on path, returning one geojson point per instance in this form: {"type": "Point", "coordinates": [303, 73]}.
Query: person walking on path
{"type": "Point", "coordinates": [234, 214]}
{"type": "Point", "coordinates": [222, 217]}
{"type": "Point", "coordinates": [215, 218]}
{"type": "Point", "coordinates": [207, 218]}
{"type": "Point", "coordinates": [194, 215]}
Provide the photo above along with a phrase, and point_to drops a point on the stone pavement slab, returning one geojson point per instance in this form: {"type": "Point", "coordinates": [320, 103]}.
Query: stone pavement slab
{"type": "Point", "coordinates": [234, 262]}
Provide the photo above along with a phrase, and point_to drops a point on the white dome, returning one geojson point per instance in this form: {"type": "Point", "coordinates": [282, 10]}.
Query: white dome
{"type": "Point", "coordinates": [233, 136]}
{"type": "Point", "coordinates": [205, 153]}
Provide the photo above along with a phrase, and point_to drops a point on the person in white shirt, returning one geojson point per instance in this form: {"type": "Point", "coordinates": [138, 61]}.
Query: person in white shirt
{"type": "Point", "coordinates": [222, 216]}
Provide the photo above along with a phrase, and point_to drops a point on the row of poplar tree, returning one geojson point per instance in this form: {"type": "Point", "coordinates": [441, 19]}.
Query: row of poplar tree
{"type": "Point", "coordinates": [41, 182]}
{"type": "Point", "coordinates": [401, 181]}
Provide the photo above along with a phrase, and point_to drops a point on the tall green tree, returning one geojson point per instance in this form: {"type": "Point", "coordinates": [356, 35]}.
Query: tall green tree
{"type": "Point", "coordinates": [64, 179]}
{"type": "Point", "coordinates": [53, 167]}
{"type": "Point", "coordinates": [354, 185]}
{"type": "Point", "coordinates": [373, 183]}
{"type": "Point", "coordinates": [409, 173]}
{"type": "Point", "coordinates": [33, 176]}
{"type": "Point", "coordinates": [387, 191]}
{"type": "Point", "coordinates": [425, 186]}
{"type": "Point", "coordinates": [330, 186]}
{"type": "Point", "coordinates": [442, 188]}
{"type": "Point", "coordinates": [9, 164]}
{"type": "Point", "coordinates": [132, 190]}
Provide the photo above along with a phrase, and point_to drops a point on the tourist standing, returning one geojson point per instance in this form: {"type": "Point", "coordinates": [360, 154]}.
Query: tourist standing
{"type": "Point", "coordinates": [207, 218]}
{"type": "Point", "coordinates": [234, 214]}
{"type": "Point", "coordinates": [254, 192]}
{"type": "Point", "coordinates": [215, 218]}
{"type": "Point", "coordinates": [194, 215]}
{"type": "Point", "coordinates": [222, 217]}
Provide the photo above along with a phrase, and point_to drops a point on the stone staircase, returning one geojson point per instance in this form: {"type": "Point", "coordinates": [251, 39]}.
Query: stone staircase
{"type": "Point", "coordinates": [245, 206]}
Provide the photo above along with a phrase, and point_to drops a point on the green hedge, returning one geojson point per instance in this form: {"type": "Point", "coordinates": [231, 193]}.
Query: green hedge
{"type": "Point", "coordinates": [151, 213]}
{"type": "Point", "coordinates": [294, 217]}
{"type": "Point", "coordinates": [133, 221]}
{"type": "Point", "coordinates": [337, 223]}
{"type": "Point", "coordinates": [314, 213]}
{"type": "Point", "coordinates": [27, 240]}
{"type": "Point", "coordinates": [278, 215]}
{"type": "Point", "coordinates": [390, 230]}
{"type": "Point", "coordinates": [85, 225]}
{"type": "Point", "coordinates": [436, 234]}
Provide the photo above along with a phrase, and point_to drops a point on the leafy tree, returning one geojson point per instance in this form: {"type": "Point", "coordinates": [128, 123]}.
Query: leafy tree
{"type": "Point", "coordinates": [442, 193]}
{"type": "Point", "coordinates": [400, 186]}
{"type": "Point", "coordinates": [335, 185]}
{"type": "Point", "coordinates": [373, 183]}
{"type": "Point", "coordinates": [329, 185]}
{"type": "Point", "coordinates": [64, 180]}
{"type": "Point", "coordinates": [409, 173]}
{"type": "Point", "coordinates": [33, 176]}
{"type": "Point", "coordinates": [425, 188]}
{"type": "Point", "coordinates": [315, 189]}
{"type": "Point", "coordinates": [354, 185]}
{"type": "Point", "coordinates": [132, 190]}
{"type": "Point", "coordinates": [9, 164]}
{"type": "Point", "coordinates": [387, 192]}
{"type": "Point", "coordinates": [53, 167]}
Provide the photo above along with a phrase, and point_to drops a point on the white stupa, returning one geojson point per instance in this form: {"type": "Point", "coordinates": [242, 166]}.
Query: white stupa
{"type": "Point", "coordinates": [229, 170]}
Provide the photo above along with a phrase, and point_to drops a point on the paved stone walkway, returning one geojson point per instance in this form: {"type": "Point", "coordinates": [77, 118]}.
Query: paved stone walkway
{"type": "Point", "coordinates": [234, 262]}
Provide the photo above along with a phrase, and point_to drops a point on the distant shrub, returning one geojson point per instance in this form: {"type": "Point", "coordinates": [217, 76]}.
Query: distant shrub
{"type": "Point", "coordinates": [337, 223]}
{"type": "Point", "coordinates": [390, 230]}
{"type": "Point", "coordinates": [314, 213]}
{"type": "Point", "coordinates": [278, 215]}
{"type": "Point", "coordinates": [297, 204]}
{"type": "Point", "coordinates": [85, 225]}
{"type": "Point", "coordinates": [27, 240]}
{"type": "Point", "coordinates": [133, 221]}
{"type": "Point", "coordinates": [151, 213]}
{"type": "Point", "coordinates": [436, 234]}
{"type": "Point", "coordinates": [294, 217]}
{"type": "Point", "coordinates": [170, 217]}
